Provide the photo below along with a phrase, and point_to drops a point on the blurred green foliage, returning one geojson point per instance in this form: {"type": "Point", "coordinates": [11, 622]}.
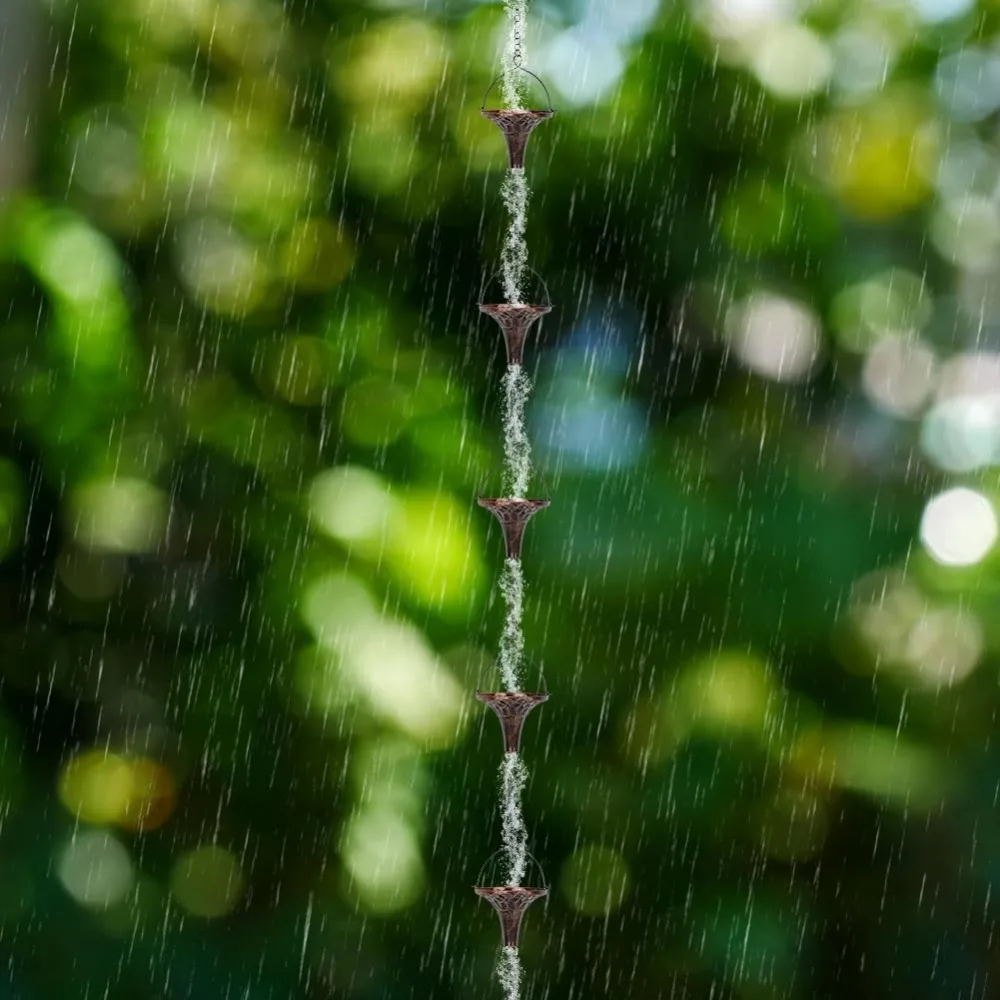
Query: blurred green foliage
{"type": "Point", "coordinates": [247, 402]}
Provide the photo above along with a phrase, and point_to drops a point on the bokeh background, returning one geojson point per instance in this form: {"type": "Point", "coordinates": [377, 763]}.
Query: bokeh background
{"type": "Point", "coordinates": [247, 402]}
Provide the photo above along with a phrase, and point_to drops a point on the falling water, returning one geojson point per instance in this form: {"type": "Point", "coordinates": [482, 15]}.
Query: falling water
{"type": "Point", "coordinates": [512, 637]}
{"type": "Point", "coordinates": [517, 447]}
{"type": "Point", "coordinates": [509, 973]}
{"type": "Point", "coordinates": [514, 256]}
{"type": "Point", "coordinates": [514, 775]}
{"type": "Point", "coordinates": [517, 11]}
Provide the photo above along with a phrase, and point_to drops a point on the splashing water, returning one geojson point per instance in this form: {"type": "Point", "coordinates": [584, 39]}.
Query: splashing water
{"type": "Point", "coordinates": [512, 637]}
{"type": "Point", "coordinates": [509, 973]}
{"type": "Point", "coordinates": [516, 446]}
{"type": "Point", "coordinates": [514, 256]}
{"type": "Point", "coordinates": [513, 777]}
{"type": "Point", "coordinates": [517, 12]}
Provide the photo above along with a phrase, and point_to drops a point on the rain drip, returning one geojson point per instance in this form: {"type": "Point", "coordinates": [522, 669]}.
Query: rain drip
{"type": "Point", "coordinates": [510, 899]}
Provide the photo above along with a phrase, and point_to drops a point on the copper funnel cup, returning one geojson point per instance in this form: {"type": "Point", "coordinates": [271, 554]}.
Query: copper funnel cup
{"type": "Point", "coordinates": [511, 708]}
{"type": "Point", "coordinates": [517, 126]}
{"type": "Point", "coordinates": [510, 902]}
{"type": "Point", "coordinates": [515, 320]}
{"type": "Point", "coordinates": [513, 515]}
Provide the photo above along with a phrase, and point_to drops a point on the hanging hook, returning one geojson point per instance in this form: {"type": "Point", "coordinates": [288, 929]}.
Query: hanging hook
{"type": "Point", "coordinates": [527, 854]}
{"type": "Point", "coordinates": [499, 274]}
{"type": "Point", "coordinates": [489, 672]}
{"type": "Point", "coordinates": [523, 70]}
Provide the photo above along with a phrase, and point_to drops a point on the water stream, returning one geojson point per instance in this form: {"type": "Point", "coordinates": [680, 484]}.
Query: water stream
{"type": "Point", "coordinates": [509, 973]}
{"type": "Point", "coordinates": [513, 777]}
{"type": "Point", "coordinates": [512, 637]}
{"type": "Point", "coordinates": [517, 447]}
{"type": "Point", "coordinates": [514, 254]}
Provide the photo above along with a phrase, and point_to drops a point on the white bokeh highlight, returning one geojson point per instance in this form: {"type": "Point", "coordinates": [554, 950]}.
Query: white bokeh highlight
{"type": "Point", "coordinates": [958, 527]}
{"type": "Point", "coordinates": [774, 336]}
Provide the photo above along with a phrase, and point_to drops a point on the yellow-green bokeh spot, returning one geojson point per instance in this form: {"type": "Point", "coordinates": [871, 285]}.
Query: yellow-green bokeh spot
{"type": "Point", "coordinates": [316, 255]}
{"type": "Point", "coordinates": [227, 162]}
{"type": "Point", "coordinates": [892, 301]}
{"type": "Point", "coordinates": [222, 269]}
{"type": "Point", "coordinates": [595, 880]}
{"type": "Point", "coordinates": [269, 186]}
{"type": "Point", "coordinates": [398, 62]}
{"type": "Point", "coordinates": [75, 262]}
{"type": "Point", "coordinates": [335, 606]}
{"type": "Point", "coordinates": [208, 882]}
{"type": "Point", "coordinates": [873, 761]}
{"type": "Point", "coordinates": [391, 773]}
{"type": "Point", "coordinates": [295, 369]}
{"type": "Point", "coordinates": [96, 787]}
{"type": "Point", "coordinates": [727, 692]}
{"type": "Point", "coordinates": [386, 74]}
{"type": "Point", "coordinates": [404, 682]}
{"type": "Point", "coordinates": [105, 788]}
{"type": "Point", "coordinates": [190, 144]}
{"type": "Point", "coordinates": [118, 515]}
{"type": "Point", "coordinates": [881, 158]}
{"type": "Point", "coordinates": [166, 23]}
{"type": "Point", "coordinates": [363, 330]}
{"type": "Point", "coordinates": [267, 107]}
{"type": "Point", "coordinates": [433, 553]}
{"type": "Point", "coordinates": [385, 154]}
{"type": "Point", "coordinates": [353, 505]}
{"type": "Point", "coordinates": [382, 859]}
{"type": "Point", "coordinates": [386, 663]}
{"type": "Point", "coordinates": [80, 269]}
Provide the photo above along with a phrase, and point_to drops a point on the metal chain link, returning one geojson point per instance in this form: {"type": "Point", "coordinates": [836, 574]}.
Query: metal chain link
{"type": "Point", "coordinates": [518, 35]}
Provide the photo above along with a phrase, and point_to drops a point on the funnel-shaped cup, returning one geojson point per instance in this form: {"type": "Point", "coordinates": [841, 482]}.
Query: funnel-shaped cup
{"type": "Point", "coordinates": [512, 708]}
{"type": "Point", "coordinates": [515, 320]}
{"type": "Point", "coordinates": [517, 126]}
{"type": "Point", "coordinates": [510, 902]}
{"type": "Point", "coordinates": [513, 515]}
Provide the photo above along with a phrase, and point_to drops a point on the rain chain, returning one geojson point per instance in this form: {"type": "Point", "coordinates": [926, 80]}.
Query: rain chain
{"type": "Point", "coordinates": [509, 897]}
